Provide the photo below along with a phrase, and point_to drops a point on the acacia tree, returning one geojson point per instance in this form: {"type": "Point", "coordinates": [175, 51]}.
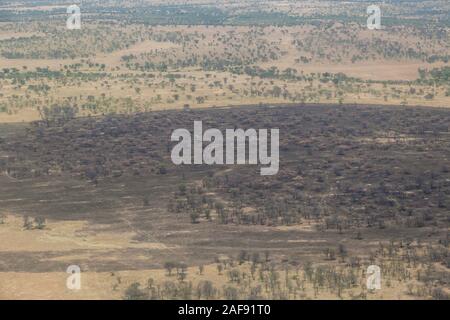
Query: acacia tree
{"type": "Point", "coordinates": [169, 266]}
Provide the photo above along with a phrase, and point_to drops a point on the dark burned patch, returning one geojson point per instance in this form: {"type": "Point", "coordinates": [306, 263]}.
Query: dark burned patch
{"type": "Point", "coordinates": [358, 174]}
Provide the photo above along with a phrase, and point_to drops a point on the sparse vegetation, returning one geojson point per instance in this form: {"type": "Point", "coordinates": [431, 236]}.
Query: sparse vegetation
{"type": "Point", "coordinates": [86, 176]}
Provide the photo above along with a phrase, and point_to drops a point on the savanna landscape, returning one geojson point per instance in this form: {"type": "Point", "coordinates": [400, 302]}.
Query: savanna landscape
{"type": "Point", "coordinates": [87, 179]}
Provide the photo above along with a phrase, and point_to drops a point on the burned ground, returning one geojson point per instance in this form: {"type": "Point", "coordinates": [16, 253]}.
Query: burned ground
{"type": "Point", "coordinates": [358, 174]}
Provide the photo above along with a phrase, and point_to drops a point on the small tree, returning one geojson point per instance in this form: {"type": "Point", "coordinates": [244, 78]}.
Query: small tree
{"type": "Point", "coordinates": [169, 266]}
{"type": "Point", "coordinates": [182, 274]}
{"type": "Point", "coordinates": [40, 222]}
{"type": "Point", "coordinates": [342, 251]}
{"type": "Point", "coordinates": [230, 293]}
{"type": "Point", "coordinates": [133, 292]}
{"type": "Point", "coordinates": [27, 224]}
{"type": "Point", "coordinates": [219, 268]}
{"type": "Point", "coordinates": [267, 254]}
{"type": "Point", "coordinates": [206, 289]}
{"type": "Point", "coordinates": [194, 216]}
{"type": "Point", "coordinates": [208, 214]}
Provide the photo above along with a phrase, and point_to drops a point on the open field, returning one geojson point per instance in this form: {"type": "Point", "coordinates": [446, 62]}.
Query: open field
{"type": "Point", "coordinates": [110, 66]}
